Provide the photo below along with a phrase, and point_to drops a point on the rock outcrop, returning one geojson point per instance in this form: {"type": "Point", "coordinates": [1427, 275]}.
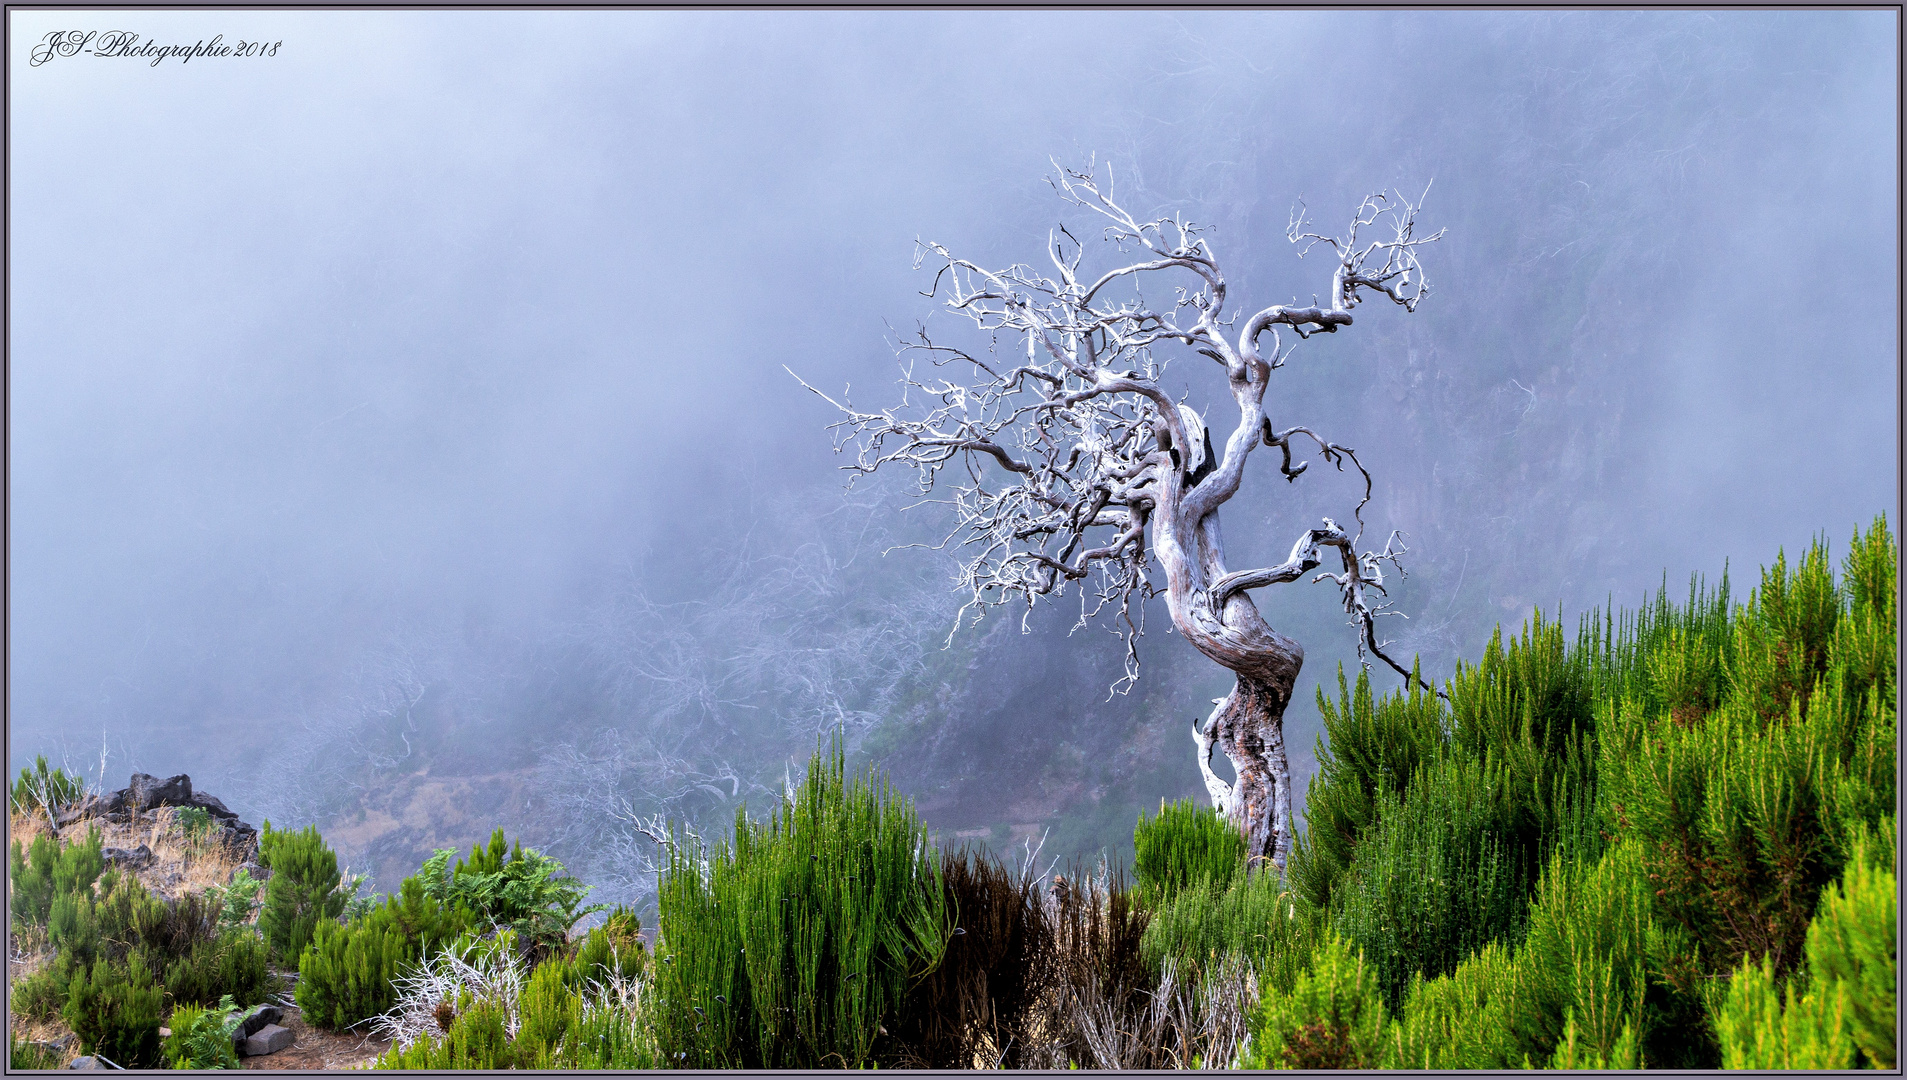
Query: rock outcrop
{"type": "Point", "coordinates": [145, 794]}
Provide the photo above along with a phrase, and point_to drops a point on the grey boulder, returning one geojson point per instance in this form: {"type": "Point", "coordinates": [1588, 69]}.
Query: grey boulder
{"type": "Point", "coordinates": [266, 1040]}
{"type": "Point", "coordinates": [255, 1021]}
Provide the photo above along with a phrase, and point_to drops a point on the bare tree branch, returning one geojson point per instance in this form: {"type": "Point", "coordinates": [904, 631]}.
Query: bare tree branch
{"type": "Point", "coordinates": [1064, 461]}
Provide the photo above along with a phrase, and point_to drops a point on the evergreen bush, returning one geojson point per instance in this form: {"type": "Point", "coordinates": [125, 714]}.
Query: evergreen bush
{"type": "Point", "coordinates": [802, 933]}
{"type": "Point", "coordinates": [1436, 876]}
{"type": "Point", "coordinates": [1187, 844]}
{"type": "Point", "coordinates": [115, 1011]}
{"type": "Point", "coordinates": [345, 973]}
{"type": "Point", "coordinates": [303, 891]}
{"type": "Point", "coordinates": [233, 965]}
{"type": "Point", "coordinates": [49, 791]}
{"type": "Point", "coordinates": [1332, 1019]}
{"type": "Point", "coordinates": [48, 869]}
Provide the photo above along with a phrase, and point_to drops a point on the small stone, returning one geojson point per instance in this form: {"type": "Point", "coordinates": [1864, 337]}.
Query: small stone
{"type": "Point", "coordinates": [267, 1040]}
{"type": "Point", "coordinates": [87, 1064]}
{"type": "Point", "coordinates": [255, 1021]}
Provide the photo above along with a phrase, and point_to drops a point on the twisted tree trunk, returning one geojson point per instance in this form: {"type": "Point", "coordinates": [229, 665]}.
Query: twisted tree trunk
{"type": "Point", "coordinates": [1248, 724]}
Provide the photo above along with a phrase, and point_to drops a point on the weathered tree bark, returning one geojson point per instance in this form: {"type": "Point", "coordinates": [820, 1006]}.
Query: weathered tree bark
{"type": "Point", "coordinates": [1082, 437]}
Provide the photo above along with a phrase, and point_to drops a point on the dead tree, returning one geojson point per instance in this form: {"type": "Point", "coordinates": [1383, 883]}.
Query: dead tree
{"type": "Point", "coordinates": [1066, 462]}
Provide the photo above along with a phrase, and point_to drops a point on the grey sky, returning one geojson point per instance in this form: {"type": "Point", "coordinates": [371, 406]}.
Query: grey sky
{"type": "Point", "coordinates": [449, 322]}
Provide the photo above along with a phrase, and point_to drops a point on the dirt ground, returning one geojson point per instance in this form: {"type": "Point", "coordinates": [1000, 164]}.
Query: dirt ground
{"type": "Point", "coordinates": [314, 1049]}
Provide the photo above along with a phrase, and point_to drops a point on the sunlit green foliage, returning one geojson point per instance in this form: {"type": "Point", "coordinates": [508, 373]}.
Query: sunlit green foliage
{"type": "Point", "coordinates": [1185, 845]}
{"type": "Point", "coordinates": [1840, 1011]}
{"type": "Point", "coordinates": [1333, 1018]}
{"type": "Point", "coordinates": [1564, 864]}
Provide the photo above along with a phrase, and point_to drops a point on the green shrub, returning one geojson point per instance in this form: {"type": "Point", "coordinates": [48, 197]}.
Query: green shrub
{"type": "Point", "coordinates": [477, 1039]}
{"type": "Point", "coordinates": [558, 1026]}
{"type": "Point", "coordinates": [1272, 928]}
{"type": "Point", "coordinates": [1522, 719]}
{"type": "Point", "coordinates": [49, 869]}
{"type": "Point", "coordinates": [236, 900]}
{"type": "Point", "coordinates": [511, 888]}
{"type": "Point", "coordinates": [345, 973]}
{"type": "Point", "coordinates": [1813, 1031]}
{"type": "Point", "coordinates": [202, 1038]}
{"type": "Point", "coordinates": [1332, 1019]}
{"type": "Point", "coordinates": [115, 1012]}
{"type": "Point", "coordinates": [1436, 876]}
{"type": "Point", "coordinates": [24, 1055]}
{"type": "Point", "coordinates": [303, 891]}
{"type": "Point", "coordinates": [39, 789]}
{"type": "Point", "coordinates": [233, 965]}
{"type": "Point", "coordinates": [1586, 958]}
{"type": "Point", "coordinates": [548, 1010]}
{"type": "Point", "coordinates": [269, 841]}
{"type": "Point", "coordinates": [1840, 1009]}
{"type": "Point", "coordinates": [1187, 844]}
{"type": "Point", "coordinates": [1364, 748]}
{"type": "Point", "coordinates": [1745, 813]}
{"type": "Point", "coordinates": [1853, 941]}
{"type": "Point", "coordinates": [805, 933]}
{"type": "Point", "coordinates": [1460, 1020]}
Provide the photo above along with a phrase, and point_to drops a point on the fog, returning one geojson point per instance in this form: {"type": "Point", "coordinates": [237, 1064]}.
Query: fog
{"type": "Point", "coordinates": [399, 439]}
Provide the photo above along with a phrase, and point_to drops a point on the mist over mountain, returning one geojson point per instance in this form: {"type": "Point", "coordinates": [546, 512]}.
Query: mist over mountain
{"type": "Point", "coordinates": [400, 440]}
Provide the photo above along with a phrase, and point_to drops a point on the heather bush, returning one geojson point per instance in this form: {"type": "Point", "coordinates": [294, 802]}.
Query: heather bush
{"type": "Point", "coordinates": [115, 1011]}
{"type": "Point", "coordinates": [304, 890]}
{"type": "Point", "coordinates": [1185, 845]}
{"type": "Point", "coordinates": [794, 941]}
